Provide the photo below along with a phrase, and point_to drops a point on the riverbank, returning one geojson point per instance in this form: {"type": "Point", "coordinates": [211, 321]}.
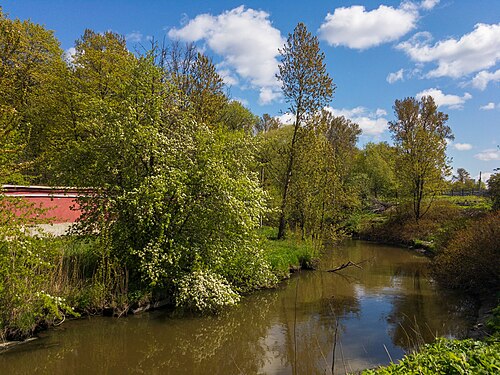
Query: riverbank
{"type": "Point", "coordinates": [75, 278]}
{"type": "Point", "coordinates": [463, 241]}
{"type": "Point", "coordinates": [379, 302]}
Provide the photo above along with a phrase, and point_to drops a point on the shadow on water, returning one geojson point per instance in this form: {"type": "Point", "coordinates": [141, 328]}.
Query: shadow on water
{"type": "Point", "coordinates": [386, 307]}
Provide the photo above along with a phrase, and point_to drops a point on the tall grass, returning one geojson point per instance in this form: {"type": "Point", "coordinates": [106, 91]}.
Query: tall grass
{"type": "Point", "coordinates": [289, 254]}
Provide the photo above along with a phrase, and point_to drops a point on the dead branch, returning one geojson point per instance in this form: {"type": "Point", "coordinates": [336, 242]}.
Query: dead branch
{"type": "Point", "coordinates": [345, 265]}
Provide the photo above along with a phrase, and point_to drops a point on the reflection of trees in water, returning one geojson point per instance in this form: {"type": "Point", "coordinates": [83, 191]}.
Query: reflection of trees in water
{"type": "Point", "coordinates": [321, 299]}
{"type": "Point", "coordinates": [230, 343]}
{"type": "Point", "coordinates": [258, 335]}
{"type": "Point", "coordinates": [422, 313]}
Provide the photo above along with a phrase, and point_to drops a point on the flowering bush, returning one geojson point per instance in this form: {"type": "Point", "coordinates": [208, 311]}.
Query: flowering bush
{"type": "Point", "coordinates": [205, 291]}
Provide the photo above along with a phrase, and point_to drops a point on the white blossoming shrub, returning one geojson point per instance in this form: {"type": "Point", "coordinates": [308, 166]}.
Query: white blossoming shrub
{"type": "Point", "coordinates": [205, 291]}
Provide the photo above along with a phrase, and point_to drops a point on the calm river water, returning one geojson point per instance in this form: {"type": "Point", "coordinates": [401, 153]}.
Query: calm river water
{"type": "Point", "coordinates": [381, 310]}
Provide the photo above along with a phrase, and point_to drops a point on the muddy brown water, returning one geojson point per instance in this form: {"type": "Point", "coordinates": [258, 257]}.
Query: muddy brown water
{"type": "Point", "coordinates": [381, 311]}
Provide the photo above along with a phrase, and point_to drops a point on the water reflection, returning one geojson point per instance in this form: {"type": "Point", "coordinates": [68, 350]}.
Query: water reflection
{"type": "Point", "coordinates": [389, 302]}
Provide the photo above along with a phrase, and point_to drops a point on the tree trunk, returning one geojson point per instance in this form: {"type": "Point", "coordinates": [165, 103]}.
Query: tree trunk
{"type": "Point", "coordinates": [282, 224]}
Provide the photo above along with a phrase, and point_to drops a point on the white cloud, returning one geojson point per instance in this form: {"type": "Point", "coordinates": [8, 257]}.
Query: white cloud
{"type": "Point", "coordinates": [445, 100]}
{"type": "Point", "coordinates": [481, 80]}
{"type": "Point", "coordinates": [429, 4]}
{"type": "Point", "coordinates": [489, 154]}
{"type": "Point", "coordinates": [268, 95]}
{"type": "Point", "coordinates": [286, 118]}
{"type": "Point", "coordinates": [369, 122]}
{"type": "Point", "coordinates": [488, 107]}
{"type": "Point", "coordinates": [355, 27]}
{"type": "Point", "coordinates": [485, 176]}
{"type": "Point", "coordinates": [134, 37]}
{"type": "Point", "coordinates": [69, 55]}
{"type": "Point", "coordinates": [242, 101]}
{"type": "Point", "coordinates": [462, 146]}
{"type": "Point", "coordinates": [475, 51]}
{"type": "Point", "coordinates": [246, 40]}
{"type": "Point", "coordinates": [227, 75]}
{"type": "Point", "coordinates": [394, 77]}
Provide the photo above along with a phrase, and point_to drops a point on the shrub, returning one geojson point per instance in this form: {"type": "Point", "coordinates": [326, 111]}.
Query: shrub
{"type": "Point", "coordinates": [448, 357]}
{"type": "Point", "coordinates": [471, 259]}
{"type": "Point", "coordinates": [205, 291]}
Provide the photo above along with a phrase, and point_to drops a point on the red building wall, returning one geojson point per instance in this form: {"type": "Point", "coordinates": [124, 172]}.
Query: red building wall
{"type": "Point", "coordinates": [60, 203]}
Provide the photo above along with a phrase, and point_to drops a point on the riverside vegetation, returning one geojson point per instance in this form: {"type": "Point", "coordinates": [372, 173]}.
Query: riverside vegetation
{"type": "Point", "coordinates": [190, 190]}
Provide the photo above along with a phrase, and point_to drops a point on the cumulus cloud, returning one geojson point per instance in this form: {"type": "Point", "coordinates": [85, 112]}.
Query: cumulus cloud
{"type": "Point", "coordinates": [394, 77]}
{"type": "Point", "coordinates": [488, 154]}
{"type": "Point", "coordinates": [246, 40]}
{"type": "Point", "coordinates": [355, 27]}
{"type": "Point", "coordinates": [475, 51]}
{"type": "Point", "coordinates": [286, 118]}
{"type": "Point", "coordinates": [445, 100]}
{"type": "Point", "coordinates": [69, 55]}
{"type": "Point", "coordinates": [134, 37]}
{"type": "Point", "coordinates": [488, 107]}
{"type": "Point", "coordinates": [371, 123]}
{"type": "Point", "coordinates": [429, 4]}
{"type": "Point", "coordinates": [462, 146]}
{"type": "Point", "coordinates": [485, 176]}
{"type": "Point", "coordinates": [483, 78]}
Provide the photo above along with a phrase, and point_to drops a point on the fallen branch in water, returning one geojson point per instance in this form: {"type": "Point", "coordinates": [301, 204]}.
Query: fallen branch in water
{"type": "Point", "coordinates": [345, 265]}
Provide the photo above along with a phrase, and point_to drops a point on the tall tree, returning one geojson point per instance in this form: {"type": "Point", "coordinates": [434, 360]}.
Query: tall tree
{"type": "Point", "coordinates": [307, 88]}
{"type": "Point", "coordinates": [31, 67]}
{"type": "Point", "coordinates": [196, 77]}
{"type": "Point", "coordinates": [420, 133]}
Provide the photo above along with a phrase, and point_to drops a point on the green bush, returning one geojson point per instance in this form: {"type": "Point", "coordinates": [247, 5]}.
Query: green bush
{"type": "Point", "coordinates": [448, 357]}
{"type": "Point", "coordinates": [27, 266]}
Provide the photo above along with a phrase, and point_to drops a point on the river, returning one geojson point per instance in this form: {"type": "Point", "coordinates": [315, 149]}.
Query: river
{"type": "Point", "coordinates": [379, 311]}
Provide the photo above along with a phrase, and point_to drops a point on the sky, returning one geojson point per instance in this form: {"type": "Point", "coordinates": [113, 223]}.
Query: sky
{"type": "Point", "coordinates": [376, 52]}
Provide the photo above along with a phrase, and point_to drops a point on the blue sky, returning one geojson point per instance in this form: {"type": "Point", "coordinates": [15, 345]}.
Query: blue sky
{"type": "Point", "coordinates": [376, 52]}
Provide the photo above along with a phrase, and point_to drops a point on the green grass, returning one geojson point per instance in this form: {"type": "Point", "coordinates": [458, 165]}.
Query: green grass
{"type": "Point", "coordinates": [290, 253]}
{"type": "Point", "coordinates": [468, 201]}
{"type": "Point", "coordinates": [448, 357]}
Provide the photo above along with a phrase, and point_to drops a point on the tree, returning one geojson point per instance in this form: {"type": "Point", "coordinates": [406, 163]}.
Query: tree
{"type": "Point", "coordinates": [307, 88]}
{"type": "Point", "coordinates": [195, 76]}
{"type": "Point", "coordinates": [31, 68]}
{"type": "Point", "coordinates": [376, 161]}
{"type": "Point", "coordinates": [266, 123]}
{"type": "Point", "coordinates": [236, 117]}
{"type": "Point", "coordinates": [420, 135]}
{"type": "Point", "coordinates": [463, 181]}
{"type": "Point", "coordinates": [494, 190]}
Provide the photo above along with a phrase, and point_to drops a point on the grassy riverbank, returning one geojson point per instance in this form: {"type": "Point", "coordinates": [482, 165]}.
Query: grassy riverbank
{"type": "Point", "coordinates": [49, 279]}
{"type": "Point", "coordinates": [289, 254]}
{"type": "Point", "coordinates": [448, 357]}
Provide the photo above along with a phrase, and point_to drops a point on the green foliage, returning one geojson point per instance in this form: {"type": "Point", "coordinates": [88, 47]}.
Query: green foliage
{"type": "Point", "coordinates": [493, 323]}
{"type": "Point", "coordinates": [494, 190]}
{"type": "Point", "coordinates": [307, 88]}
{"type": "Point", "coordinates": [31, 71]}
{"type": "Point", "coordinates": [287, 254]}
{"type": "Point", "coordinates": [468, 202]}
{"type": "Point", "coordinates": [27, 263]}
{"type": "Point", "coordinates": [420, 136]}
{"type": "Point", "coordinates": [471, 259]}
{"type": "Point", "coordinates": [376, 161]}
{"type": "Point", "coordinates": [448, 357]}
